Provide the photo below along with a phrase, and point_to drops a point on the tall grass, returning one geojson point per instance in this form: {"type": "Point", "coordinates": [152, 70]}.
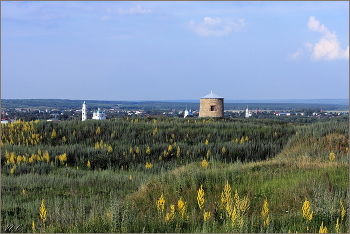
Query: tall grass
{"type": "Point", "coordinates": [121, 193]}
{"type": "Point", "coordinates": [128, 143]}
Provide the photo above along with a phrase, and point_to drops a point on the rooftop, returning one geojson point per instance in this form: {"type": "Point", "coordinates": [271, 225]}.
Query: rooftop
{"type": "Point", "coordinates": [211, 95]}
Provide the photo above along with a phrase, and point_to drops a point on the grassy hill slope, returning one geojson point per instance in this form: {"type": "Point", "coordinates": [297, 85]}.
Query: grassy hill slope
{"type": "Point", "coordinates": [304, 170]}
{"type": "Point", "coordinates": [198, 196]}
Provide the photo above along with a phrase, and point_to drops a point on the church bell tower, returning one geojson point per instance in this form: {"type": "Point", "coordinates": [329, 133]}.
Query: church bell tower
{"type": "Point", "coordinates": [83, 112]}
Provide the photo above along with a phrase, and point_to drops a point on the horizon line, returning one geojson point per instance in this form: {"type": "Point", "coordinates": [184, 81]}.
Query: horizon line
{"type": "Point", "coordinates": [310, 100]}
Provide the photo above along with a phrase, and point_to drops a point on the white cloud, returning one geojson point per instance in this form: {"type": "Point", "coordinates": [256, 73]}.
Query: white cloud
{"type": "Point", "coordinates": [131, 11]}
{"type": "Point", "coordinates": [212, 21]}
{"type": "Point", "coordinates": [242, 22]}
{"type": "Point", "coordinates": [296, 55]}
{"type": "Point", "coordinates": [134, 10]}
{"type": "Point", "coordinates": [315, 25]}
{"type": "Point", "coordinates": [139, 10]}
{"type": "Point", "coordinates": [106, 17]}
{"type": "Point", "coordinates": [328, 47]}
{"type": "Point", "coordinates": [308, 46]}
{"type": "Point", "coordinates": [215, 27]}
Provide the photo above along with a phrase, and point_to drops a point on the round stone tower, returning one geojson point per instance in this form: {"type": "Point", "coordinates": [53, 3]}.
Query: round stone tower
{"type": "Point", "coordinates": [211, 105]}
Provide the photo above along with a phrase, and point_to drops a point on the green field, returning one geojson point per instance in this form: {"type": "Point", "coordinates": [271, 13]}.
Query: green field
{"type": "Point", "coordinates": [175, 175]}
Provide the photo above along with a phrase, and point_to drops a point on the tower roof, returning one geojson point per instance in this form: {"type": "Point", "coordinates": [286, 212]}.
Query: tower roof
{"type": "Point", "coordinates": [211, 95]}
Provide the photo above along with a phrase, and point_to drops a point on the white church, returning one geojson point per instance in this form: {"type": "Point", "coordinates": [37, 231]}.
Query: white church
{"type": "Point", "coordinates": [188, 113]}
{"type": "Point", "coordinates": [98, 115]}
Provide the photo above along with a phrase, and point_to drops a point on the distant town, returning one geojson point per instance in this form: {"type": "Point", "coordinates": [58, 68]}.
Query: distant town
{"type": "Point", "coordinates": [65, 110]}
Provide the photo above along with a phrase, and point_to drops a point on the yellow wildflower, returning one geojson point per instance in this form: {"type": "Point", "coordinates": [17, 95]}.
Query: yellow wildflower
{"type": "Point", "coordinates": [31, 159]}
{"type": "Point", "coordinates": [242, 204]}
{"type": "Point", "coordinates": [265, 213]}
{"type": "Point", "coordinates": [323, 229]}
{"type": "Point", "coordinates": [234, 216]}
{"type": "Point", "coordinates": [12, 170]}
{"type": "Point", "coordinates": [155, 131]}
{"type": "Point", "coordinates": [149, 165]}
{"type": "Point", "coordinates": [306, 210]}
{"type": "Point", "coordinates": [13, 158]}
{"type": "Point", "coordinates": [206, 215]}
{"type": "Point", "coordinates": [33, 227]}
{"type": "Point", "coordinates": [148, 150]}
{"type": "Point", "coordinates": [337, 227]}
{"type": "Point", "coordinates": [242, 140]}
{"type": "Point", "coordinates": [267, 221]}
{"type": "Point", "coordinates": [208, 153]}
{"type": "Point", "coordinates": [342, 210]}
{"type": "Point", "coordinates": [170, 216]}
{"type": "Point", "coordinates": [178, 151]}
{"type": "Point", "coordinates": [110, 149]}
{"type": "Point", "coordinates": [62, 158]}
{"type": "Point", "coordinates": [53, 134]}
{"type": "Point", "coordinates": [137, 150]}
{"type": "Point", "coordinates": [160, 203]}
{"type": "Point", "coordinates": [46, 156]}
{"type": "Point", "coordinates": [204, 163]}
{"type": "Point", "coordinates": [226, 194]}
{"type": "Point", "coordinates": [19, 159]}
{"type": "Point", "coordinates": [43, 211]}
{"type": "Point", "coordinates": [200, 197]}
{"type": "Point", "coordinates": [223, 150]}
{"type": "Point", "coordinates": [182, 207]}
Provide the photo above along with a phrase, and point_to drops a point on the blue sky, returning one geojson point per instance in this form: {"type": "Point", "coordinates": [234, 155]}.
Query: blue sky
{"type": "Point", "coordinates": [174, 50]}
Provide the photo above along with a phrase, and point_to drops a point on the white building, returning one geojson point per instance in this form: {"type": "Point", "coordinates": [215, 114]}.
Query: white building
{"type": "Point", "coordinates": [188, 113]}
{"type": "Point", "coordinates": [83, 112]}
{"type": "Point", "coordinates": [99, 114]}
{"type": "Point", "coordinates": [283, 114]}
{"type": "Point", "coordinates": [247, 113]}
{"type": "Point", "coordinates": [5, 121]}
{"type": "Point", "coordinates": [96, 115]}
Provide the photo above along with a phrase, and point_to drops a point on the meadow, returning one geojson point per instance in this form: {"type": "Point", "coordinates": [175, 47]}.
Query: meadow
{"type": "Point", "coordinates": [175, 175]}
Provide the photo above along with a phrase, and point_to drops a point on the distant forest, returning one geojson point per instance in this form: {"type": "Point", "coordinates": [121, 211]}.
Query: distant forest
{"type": "Point", "coordinates": [63, 104]}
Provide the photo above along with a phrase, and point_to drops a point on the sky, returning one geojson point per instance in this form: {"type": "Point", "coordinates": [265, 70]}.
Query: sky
{"type": "Point", "coordinates": [115, 50]}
